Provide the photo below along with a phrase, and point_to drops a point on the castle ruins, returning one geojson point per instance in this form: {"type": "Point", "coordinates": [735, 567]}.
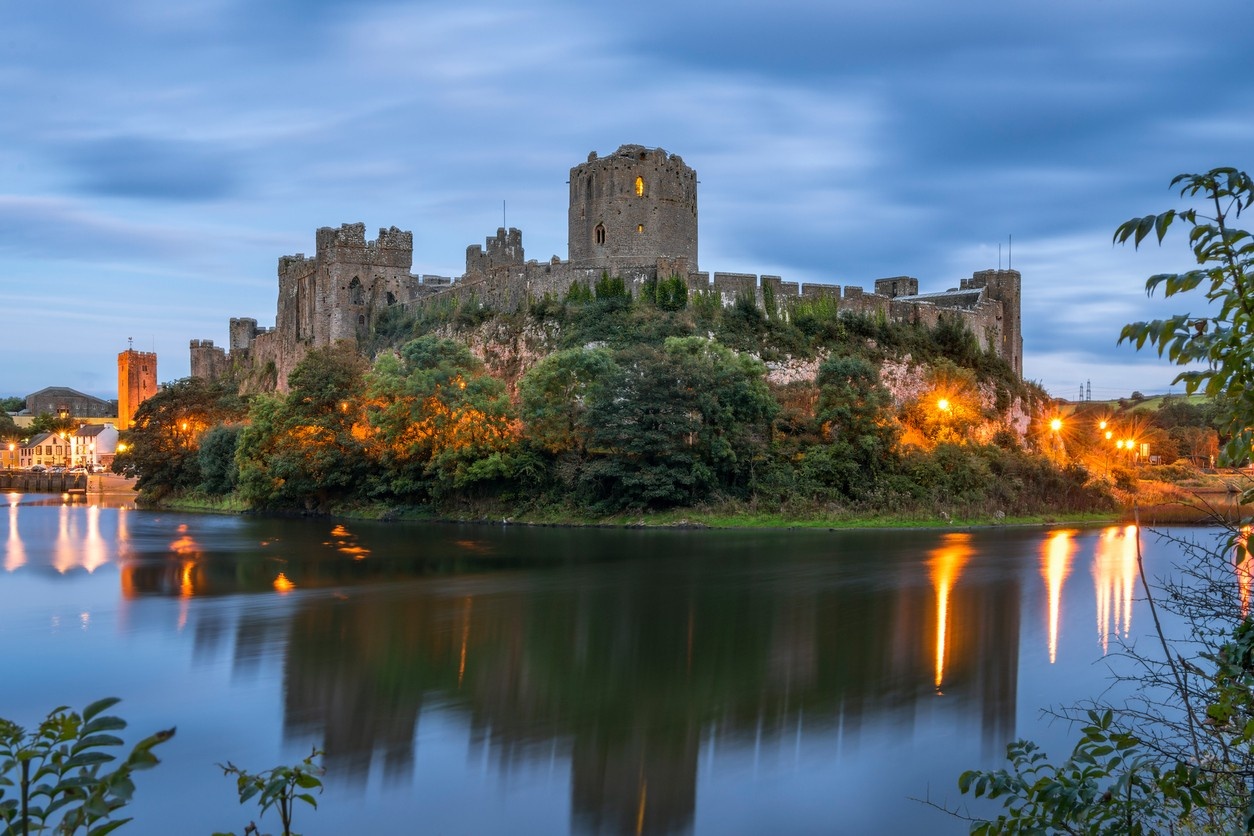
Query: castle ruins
{"type": "Point", "coordinates": [632, 214]}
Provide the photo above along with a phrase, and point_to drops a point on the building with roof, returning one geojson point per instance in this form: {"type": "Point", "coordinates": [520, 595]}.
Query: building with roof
{"type": "Point", "coordinates": [46, 449]}
{"type": "Point", "coordinates": [64, 402]}
{"type": "Point", "coordinates": [93, 445]}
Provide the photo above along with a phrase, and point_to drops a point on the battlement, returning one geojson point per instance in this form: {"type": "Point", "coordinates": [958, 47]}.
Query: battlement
{"type": "Point", "coordinates": [505, 249]}
{"type": "Point", "coordinates": [201, 344]}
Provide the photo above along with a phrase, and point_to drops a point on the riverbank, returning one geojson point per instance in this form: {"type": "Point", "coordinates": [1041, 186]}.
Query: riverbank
{"type": "Point", "coordinates": [1155, 504]}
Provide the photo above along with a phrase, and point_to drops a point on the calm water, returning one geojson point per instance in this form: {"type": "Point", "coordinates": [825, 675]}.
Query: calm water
{"type": "Point", "coordinates": [508, 680]}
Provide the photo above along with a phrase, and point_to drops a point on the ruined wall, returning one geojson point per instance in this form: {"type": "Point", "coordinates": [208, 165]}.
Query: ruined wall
{"type": "Point", "coordinates": [631, 208]}
{"type": "Point", "coordinates": [209, 362]}
{"type": "Point", "coordinates": [632, 214]}
{"type": "Point", "coordinates": [504, 250]}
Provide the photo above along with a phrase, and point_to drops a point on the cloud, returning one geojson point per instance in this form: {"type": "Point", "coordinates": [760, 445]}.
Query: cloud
{"type": "Point", "coordinates": [152, 168]}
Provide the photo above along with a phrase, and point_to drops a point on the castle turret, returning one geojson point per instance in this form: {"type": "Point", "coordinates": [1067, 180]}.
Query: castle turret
{"type": "Point", "coordinates": [631, 209]}
{"type": "Point", "coordinates": [505, 250]}
{"type": "Point", "coordinates": [1006, 287]}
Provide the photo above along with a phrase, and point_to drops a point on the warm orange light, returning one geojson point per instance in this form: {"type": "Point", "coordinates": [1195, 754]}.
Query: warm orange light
{"type": "Point", "coordinates": [1101, 425]}
{"type": "Point", "coordinates": [943, 404]}
{"type": "Point", "coordinates": [1055, 566]}
{"type": "Point", "coordinates": [1109, 435]}
{"type": "Point", "coordinates": [283, 585]}
{"type": "Point", "coordinates": [1055, 424]}
{"type": "Point", "coordinates": [1114, 582]}
{"type": "Point", "coordinates": [944, 566]}
{"type": "Point", "coordinates": [1119, 444]}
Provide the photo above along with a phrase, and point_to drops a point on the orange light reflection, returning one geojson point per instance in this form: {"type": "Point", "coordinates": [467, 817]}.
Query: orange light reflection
{"type": "Point", "coordinates": [945, 564]}
{"type": "Point", "coordinates": [1114, 580]}
{"type": "Point", "coordinates": [1055, 566]}
{"type": "Point", "coordinates": [282, 585]}
{"type": "Point", "coordinates": [1241, 558]}
{"type": "Point", "coordinates": [14, 549]}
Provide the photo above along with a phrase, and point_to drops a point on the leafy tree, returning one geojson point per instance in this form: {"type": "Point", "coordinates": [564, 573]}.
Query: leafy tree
{"type": "Point", "coordinates": [436, 421]}
{"type": "Point", "coordinates": [1217, 344]}
{"type": "Point", "coordinates": [856, 415]}
{"type": "Point", "coordinates": [163, 445]}
{"type": "Point", "coordinates": [554, 397]}
{"type": "Point", "coordinates": [218, 469]}
{"type": "Point", "coordinates": [46, 422]}
{"type": "Point", "coordinates": [675, 426]}
{"type": "Point", "coordinates": [12, 404]}
{"type": "Point", "coordinates": [302, 450]}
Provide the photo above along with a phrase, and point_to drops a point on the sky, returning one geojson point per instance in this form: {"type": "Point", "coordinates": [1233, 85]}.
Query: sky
{"type": "Point", "coordinates": [157, 158]}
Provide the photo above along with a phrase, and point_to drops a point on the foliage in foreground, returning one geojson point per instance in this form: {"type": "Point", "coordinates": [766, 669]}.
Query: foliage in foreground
{"type": "Point", "coordinates": [54, 778]}
{"type": "Point", "coordinates": [280, 787]}
{"type": "Point", "coordinates": [1183, 761]}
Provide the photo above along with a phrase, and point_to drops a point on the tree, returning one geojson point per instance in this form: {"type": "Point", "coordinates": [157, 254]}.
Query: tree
{"type": "Point", "coordinates": [302, 449]}
{"type": "Point", "coordinates": [1221, 338]}
{"type": "Point", "coordinates": [856, 415]}
{"type": "Point", "coordinates": [435, 421]}
{"type": "Point", "coordinates": [553, 397]}
{"type": "Point", "coordinates": [163, 444]}
{"type": "Point", "coordinates": [675, 426]}
{"type": "Point", "coordinates": [12, 404]}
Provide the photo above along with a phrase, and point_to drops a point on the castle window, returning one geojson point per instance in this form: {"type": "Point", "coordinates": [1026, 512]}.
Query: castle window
{"type": "Point", "coordinates": [589, 185]}
{"type": "Point", "coordinates": [639, 227]}
{"type": "Point", "coordinates": [354, 291]}
{"type": "Point", "coordinates": [361, 319]}
{"type": "Point", "coordinates": [598, 234]}
{"type": "Point", "coordinates": [391, 298]}
{"type": "Point", "coordinates": [639, 187]}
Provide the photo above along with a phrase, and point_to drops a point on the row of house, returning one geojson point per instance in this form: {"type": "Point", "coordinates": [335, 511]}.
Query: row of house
{"type": "Point", "coordinates": [91, 445]}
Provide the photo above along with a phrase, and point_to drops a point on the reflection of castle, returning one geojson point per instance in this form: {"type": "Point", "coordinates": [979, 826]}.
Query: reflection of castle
{"type": "Point", "coordinates": [632, 214]}
{"type": "Point", "coordinates": [628, 680]}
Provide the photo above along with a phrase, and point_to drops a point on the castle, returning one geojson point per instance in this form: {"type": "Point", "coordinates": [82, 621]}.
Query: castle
{"type": "Point", "coordinates": [632, 214]}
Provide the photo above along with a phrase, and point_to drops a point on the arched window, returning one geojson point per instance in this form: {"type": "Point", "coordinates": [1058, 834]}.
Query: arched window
{"type": "Point", "coordinates": [639, 187]}
{"type": "Point", "coordinates": [598, 234]}
{"type": "Point", "coordinates": [361, 319]}
{"type": "Point", "coordinates": [639, 227]}
{"type": "Point", "coordinates": [354, 291]}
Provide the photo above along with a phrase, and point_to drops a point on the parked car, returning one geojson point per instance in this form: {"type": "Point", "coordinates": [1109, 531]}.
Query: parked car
{"type": "Point", "coordinates": [37, 468]}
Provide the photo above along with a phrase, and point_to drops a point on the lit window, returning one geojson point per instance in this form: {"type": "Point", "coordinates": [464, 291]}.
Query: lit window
{"type": "Point", "coordinates": [639, 227]}
{"type": "Point", "coordinates": [639, 187]}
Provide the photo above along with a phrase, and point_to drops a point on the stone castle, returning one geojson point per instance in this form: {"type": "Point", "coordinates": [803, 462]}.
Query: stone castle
{"type": "Point", "coordinates": [632, 214]}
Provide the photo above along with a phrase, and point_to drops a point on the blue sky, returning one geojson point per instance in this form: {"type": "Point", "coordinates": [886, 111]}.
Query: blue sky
{"type": "Point", "coordinates": [157, 157]}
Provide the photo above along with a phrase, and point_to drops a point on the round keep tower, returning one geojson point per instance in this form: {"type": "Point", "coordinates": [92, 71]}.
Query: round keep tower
{"type": "Point", "coordinates": [632, 208]}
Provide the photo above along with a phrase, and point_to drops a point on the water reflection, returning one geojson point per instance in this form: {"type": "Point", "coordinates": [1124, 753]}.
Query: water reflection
{"type": "Point", "coordinates": [1114, 582]}
{"type": "Point", "coordinates": [637, 658]}
{"type": "Point", "coordinates": [1056, 554]}
{"type": "Point", "coordinates": [1241, 559]}
{"type": "Point", "coordinates": [945, 565]}
{"type": "Point", "coordinates": [14, 551]}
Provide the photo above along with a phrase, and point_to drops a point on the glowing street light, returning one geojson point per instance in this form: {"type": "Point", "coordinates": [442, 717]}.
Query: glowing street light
{"type": "Point", "coordinates": [943, 405]}
{"type": "Point", "coordinates": [1055, 424]}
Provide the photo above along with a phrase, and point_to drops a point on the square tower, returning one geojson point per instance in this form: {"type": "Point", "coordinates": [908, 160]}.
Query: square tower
{"type": "Point", "coordinates": [137, 382]}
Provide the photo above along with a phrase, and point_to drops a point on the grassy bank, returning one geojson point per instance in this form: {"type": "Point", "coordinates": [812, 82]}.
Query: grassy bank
{"type": "Point", "coordinates": [723, 516]}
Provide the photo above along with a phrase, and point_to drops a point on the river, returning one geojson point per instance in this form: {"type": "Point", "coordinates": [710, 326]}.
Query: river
{"type": "Point", "coordinates": [503, 679]}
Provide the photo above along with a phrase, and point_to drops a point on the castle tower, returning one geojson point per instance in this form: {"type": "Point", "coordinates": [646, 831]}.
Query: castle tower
{"type": "Point", "coordinates": [1006, 287]}
{"type": "Point", "coordinates": [137, 382]}
{"type": "Point", "coordinates": [632, 208]}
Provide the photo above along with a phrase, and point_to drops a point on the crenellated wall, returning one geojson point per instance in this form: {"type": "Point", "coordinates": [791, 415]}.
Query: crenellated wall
{"type": "Point", "coordinates": [632, 214]}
